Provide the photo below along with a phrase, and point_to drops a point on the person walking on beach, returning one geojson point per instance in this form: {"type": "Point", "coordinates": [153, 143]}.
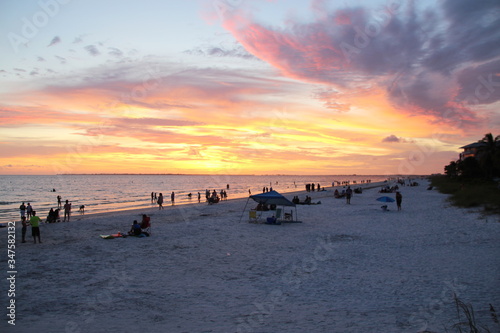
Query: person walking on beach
{"type": "Point", "coordinates": [199, 197]}
{"type": "Point", "coordinates": [23, 230]}
{"type": "Point", "coordinates": [399, 198]}
{"type": "Point", "coordinates": [348, 195]}
{"type": "Point", "coordinates": [152, 197]}
{"type": "Point", "coordinates": [59, 204]}
{"type": "Point", "coordinates": [160, 201]}
{"type": "Point", "coordinates": [172, 197]}
{"type": "Point", "coordinates": [35, 227]}
{"type": "Point", "coordinates": [67, 210]}
{"type": "Point", "coordinates": [22, 210]}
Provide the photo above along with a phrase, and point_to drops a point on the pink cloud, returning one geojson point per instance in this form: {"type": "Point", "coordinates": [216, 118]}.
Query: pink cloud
{"type": "Point", "coordinates": [401, 48]}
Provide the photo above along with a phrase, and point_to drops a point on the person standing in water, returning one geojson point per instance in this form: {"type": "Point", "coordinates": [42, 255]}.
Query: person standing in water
{"type": "Point", "coordinates": [67, 210]}
{"type": "Point", "coordinates": [22, 210]}
{"type": "Point", "coordinates": [160, 201]}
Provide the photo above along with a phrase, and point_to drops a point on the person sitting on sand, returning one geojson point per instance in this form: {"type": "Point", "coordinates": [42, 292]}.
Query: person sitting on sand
{"type": "Point", "coordinates": [135, 230]}
{"type": "Point", "coordinates": [262, 207]}
{"type": "Point", "coordinates": [51, 216]}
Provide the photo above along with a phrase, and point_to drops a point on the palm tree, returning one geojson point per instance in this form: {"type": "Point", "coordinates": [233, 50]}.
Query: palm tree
{"type": "Point", "coordinates": [489, 157]}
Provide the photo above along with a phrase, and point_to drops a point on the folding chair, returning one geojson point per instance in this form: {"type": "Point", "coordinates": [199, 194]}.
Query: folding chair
{"type": "Point", "coordinates": [278, 213]}
{"type": "Point", "coordinates": [146, 224]}
{"type": "Point", "coordinates": [252, 214]}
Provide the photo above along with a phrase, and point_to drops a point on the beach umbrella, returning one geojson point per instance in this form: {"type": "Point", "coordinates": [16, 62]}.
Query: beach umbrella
{"type": "Point", "coordinates": [386, 199]}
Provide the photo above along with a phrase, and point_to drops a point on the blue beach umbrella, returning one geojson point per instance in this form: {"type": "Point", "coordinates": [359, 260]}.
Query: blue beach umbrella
{"type": "Point", "coordinates": [386, 199]}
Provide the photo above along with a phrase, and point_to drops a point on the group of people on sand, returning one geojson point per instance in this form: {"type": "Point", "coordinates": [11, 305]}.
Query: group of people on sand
{"type": "Point", "coordinates": [211, 197]}
{"type": "Point", "coordinates": [345, 193]}
{"type": "Point", "coordinates": [142, 229]}
{"type": "Point", "coordinates": [307, 201]}
{"type": "Point", "coordinates": [29, 217]}
{"type": "Point", "coordinates": [27, 211]}
{"type": "Point", "coordinates": [34, 221]}
{"type": "Point", "coordinates": [389, 189]}
{"type": "Point", "coordinates": [348, 182]}
{"type": "Point", "coordinates": [312, 187]}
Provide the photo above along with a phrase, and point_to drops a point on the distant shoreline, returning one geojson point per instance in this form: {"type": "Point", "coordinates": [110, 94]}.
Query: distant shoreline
{"type": "Point", "coordinates": [154, 207]}
{"type": "Point", "coordinates": [212, 174]}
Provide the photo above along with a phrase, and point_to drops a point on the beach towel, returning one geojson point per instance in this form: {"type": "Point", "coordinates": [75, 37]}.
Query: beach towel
{"type": "Point", "coordinates": [118, 235]}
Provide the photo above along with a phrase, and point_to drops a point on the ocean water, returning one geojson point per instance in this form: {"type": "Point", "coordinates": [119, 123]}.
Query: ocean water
{"type": "Point", "coordinates": [102, 193]}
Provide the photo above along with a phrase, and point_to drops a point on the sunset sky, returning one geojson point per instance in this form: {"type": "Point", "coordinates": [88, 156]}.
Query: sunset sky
{"type": "Point", "coordinates": [245, 86]}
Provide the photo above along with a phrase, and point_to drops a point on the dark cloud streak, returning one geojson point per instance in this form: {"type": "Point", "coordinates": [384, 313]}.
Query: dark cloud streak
{"type": "Point", "coordinates": [429, 60]}
{"type": "Point", "coordinates": [54, 41]}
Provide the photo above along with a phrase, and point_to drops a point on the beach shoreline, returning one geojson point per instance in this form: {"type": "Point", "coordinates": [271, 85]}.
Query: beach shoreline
{"type": "Point", "coordinates": [76, 216]}
{"type": "Point", "coordinates": [345, 268]}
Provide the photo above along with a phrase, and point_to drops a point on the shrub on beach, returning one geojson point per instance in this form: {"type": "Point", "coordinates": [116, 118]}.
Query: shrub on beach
{"type": "Point", "coordinates": [467, 322]}
{"type": "Point", "coordinates": [469, 193]}
{"type": "Point", "coordinates": [471, 181]}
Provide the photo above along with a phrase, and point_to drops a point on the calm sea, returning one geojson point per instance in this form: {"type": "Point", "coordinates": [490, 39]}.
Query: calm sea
{"type": "Point", "coordinates": [101, 193]}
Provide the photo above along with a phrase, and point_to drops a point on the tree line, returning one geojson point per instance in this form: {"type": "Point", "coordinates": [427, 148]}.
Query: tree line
{"type": "Point", "coordinates": [485, 163]}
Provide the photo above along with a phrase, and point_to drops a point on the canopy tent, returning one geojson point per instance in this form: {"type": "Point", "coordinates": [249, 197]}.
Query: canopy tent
{"type": "Point", "coordinates": [270, 198]}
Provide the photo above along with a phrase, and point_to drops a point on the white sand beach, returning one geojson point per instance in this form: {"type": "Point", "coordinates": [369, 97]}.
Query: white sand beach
{"type": "Point", "coordinates": [345, 268]}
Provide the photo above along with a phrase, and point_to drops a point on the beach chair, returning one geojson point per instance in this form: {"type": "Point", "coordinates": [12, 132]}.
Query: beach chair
{"type": "Point", "coordinates": [278, 213]}
{"type": "Point", "coordinates": [252, 215]}
{"type": "Point", "coordinates": [146, 224]}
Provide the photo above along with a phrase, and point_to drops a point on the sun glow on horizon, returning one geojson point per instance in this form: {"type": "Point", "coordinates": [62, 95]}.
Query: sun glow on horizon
{"type": "Point", "coordinates": [245, 91]}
